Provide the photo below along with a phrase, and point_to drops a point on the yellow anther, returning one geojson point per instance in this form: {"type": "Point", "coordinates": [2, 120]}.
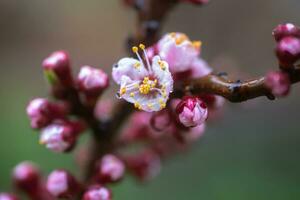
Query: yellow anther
{"type": "Point", "coordinates": [146, 79]}
{"type": "Point", "coordinates": [164, 94]}
{"type": "Point", "coordinates": [162, 106]}
{"type": "Point", "coordinates": [144, 88]}
{"type": "Point", "coordinates": [135, 49]}
{"type": "Point", "coordinates": [131, 94]}
{"type": "Point", "coordinates": [197, 44]}
{"type": "Point", "coordinates": [142, 46]}
{"type": "Point", "coordinates": [122, 91]}
{"type": "Point", "coordinates": [179, 40]}
{"type": "Point", "coordinates": [162, 65]}
{"type": "Point", "coordinates": [137, 105]}
{"type": "Point", "coordinates": [162, 103]}
{"type": "Point", "coordinates": [137, 65]}
{"type": "Point", "coordinates": [173, 34]}
{"type": "Point", "coordinates": [136, 85]}
{"type": "Point", "coordinates": [150, 105]}
{"type": "Point", "coordinates": [163, 87]}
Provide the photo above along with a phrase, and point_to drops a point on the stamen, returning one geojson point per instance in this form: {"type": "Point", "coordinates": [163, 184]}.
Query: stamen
{"type": "Point", "coordinates": [197, 44]}
{"type": "Point", "coordinates": [137, 105]}
{"type": "Point", "coordinates": [150, 105]}
{"type": "Point", "coordinates": [162, 103]}
{"type": "Point", "coordinates": [142, 46]}
{"type": "Point", "coordinates": [137, 65]}
{"type": "Point", "coordinates": [123, 91]}
{"type": "Point", "coordinates": [162, 65]}
{"type": "Point", "coordinates": [135, 49]}
{"type": "Point", "coordinates": [179, 40]}
{"type": "Point", "coordinates": [173, 34]}
{"type": "Point", "coordinates": [149, 67]}
{"type": "Point", "coordinates": [131, 94]}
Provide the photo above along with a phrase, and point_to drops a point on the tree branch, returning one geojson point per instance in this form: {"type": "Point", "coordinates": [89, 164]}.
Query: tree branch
{"type": "Point", "coordinates": [234, 91]}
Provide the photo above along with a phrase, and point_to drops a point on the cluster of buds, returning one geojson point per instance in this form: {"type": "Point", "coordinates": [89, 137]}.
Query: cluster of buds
{"type": "Point", "coordinates": [61, 184]}
{"type": "Point", "coordinates": [165, 127]}
{"type": "Point", "coordinates": [59, 132]}
{"type": "Point", "coordinates": [287, 37]}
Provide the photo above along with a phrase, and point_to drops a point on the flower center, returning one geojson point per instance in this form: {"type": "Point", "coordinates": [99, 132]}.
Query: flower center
{"type": "Point", "coordinates": [147, 85]}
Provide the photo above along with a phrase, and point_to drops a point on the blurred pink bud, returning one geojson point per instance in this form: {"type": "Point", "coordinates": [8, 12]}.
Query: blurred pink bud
{"type": "Point", "coordinates": [139, 128]}
{"type": "Point", "coordinates": [61, 184]}
{"type": "Point", "coordinates": [288, 51]}
{"type": "Point", "coordinates": [41, 112]}
{"type": "Point", "coordinates": [193, 134]}
{"type": "Point", "coordinates": [59, 64]}
{"type": "Point", "coordinates": [92, 81]}
{"type": "Point", "coordinates": [61, 136]}
{"type": "Point", "coordinates": [103, 109]}
{"type": "Point", "coordinates": [192, 111]}
{"type": "Point", "coordinates": [110, 169]}
{"type": "Point", "coordinates": [26, 177]}
{"type": "Point", "coordinates": [278, 83]}
{"type": "Point", "coordinates": [145, 165]}
{"type": "Point", "coordinates": [286, 30]}
{"type": "Point", "coordinates": [97, 192]}
{"type": "Point", "coordinates": [7, 196]}
{"type": "Point", "coordinates": [197, 2]}
{"type": "Point", "coordinates": [160, 120]}
{"type": "Point", "coordinates": [178, 51]}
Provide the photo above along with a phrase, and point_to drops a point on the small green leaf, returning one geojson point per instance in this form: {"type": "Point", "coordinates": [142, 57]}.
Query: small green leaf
{"type": "Point", "coordinates": [51, 77]}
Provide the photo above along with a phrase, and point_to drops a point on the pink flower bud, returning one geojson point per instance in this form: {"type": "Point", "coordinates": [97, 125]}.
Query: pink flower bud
{"type": "Point", "coordinates": [197, 2]}
{"type": "Point", "coordinates": [145, 165]}
{"type": "Point", "coordinates": [139, 128]}
{"type": "Point", "coordinates": [61, 184]}
{"type": "Point", "coordinates": [92, 81]}
{"type": "Point", "coordinates": [288, 51]}
{"type": "Point", "coordinates": [110, 169]}
{"type": "Point", "coordinates": [41, 112]}
{"type": "Point", "coordinates": [26, 177]}
{"type": "Point", "coordinates": [97, 192]}
{"type": "Point", "coordinates": [160, 120]}
{"type": "Point", "coordinates": [192, 111]}
{"type": "Point", "coordinates": [286, 30]}
{"type": "Point", "coordinates": [278, 83]}
{"type": "Point", "coordinates": [61, 136]}
{"type": "Point", "coordinates": [59, 64]}
{"type": "Point", "coordinates": [7, 196]}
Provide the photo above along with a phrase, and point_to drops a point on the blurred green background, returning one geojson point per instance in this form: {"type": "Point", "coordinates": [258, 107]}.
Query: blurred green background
{"type": "Point", "coordinates": [252, 152]}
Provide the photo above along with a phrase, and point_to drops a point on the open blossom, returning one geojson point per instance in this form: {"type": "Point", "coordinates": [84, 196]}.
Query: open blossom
{"type": "Point", "coordinates": [192, 111]}
{"type": "Point", "coordinates": [179, 51]}
{"type": "Point", "coordinates": [145, 85]}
